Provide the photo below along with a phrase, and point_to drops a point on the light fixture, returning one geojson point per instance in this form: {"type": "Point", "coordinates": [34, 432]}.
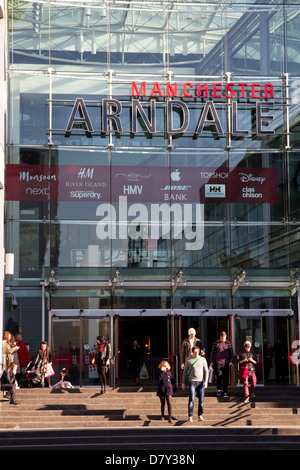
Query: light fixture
{"type": "Point", "coordinates": [240, 279]}
{"type": "Point", "coordinates": [52, 283]}
{"type": "Point", "coordinates": [14, 302]}
{"type": "Point", "coordinates": [177, 281]}
{"type": "Point", "coordinates": [9, 263]}
{"type": "Point", "coordinates": [295, 286]}
{"type": "Point", "coordinates": [115, 281]}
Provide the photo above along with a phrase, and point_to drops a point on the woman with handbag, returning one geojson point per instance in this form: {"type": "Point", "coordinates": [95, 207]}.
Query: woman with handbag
{"type": "Point", "coordinates": [9, 347]}
{"type": "Point", "coordinates": [38, 367]}
{"type": "Point", "coordinates": [102, 359]}
{"type": "Point", "coordinates": [246, 371]}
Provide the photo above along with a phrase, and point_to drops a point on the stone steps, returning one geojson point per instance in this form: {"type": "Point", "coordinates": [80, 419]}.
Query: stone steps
{"type": "Point", "coordinates": [128, 420]}
{"type": "Point", "coordinates": [86, 408]}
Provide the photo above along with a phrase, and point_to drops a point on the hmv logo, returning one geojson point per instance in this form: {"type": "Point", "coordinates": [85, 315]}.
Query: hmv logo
{"type": "Point", "coordinates": [129, 189]}
{"type": "Point", "coordinates": [215, 190]}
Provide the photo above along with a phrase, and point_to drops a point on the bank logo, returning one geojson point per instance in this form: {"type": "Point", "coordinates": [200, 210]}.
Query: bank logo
{"type": "Point", "coordinates": [215, 190]}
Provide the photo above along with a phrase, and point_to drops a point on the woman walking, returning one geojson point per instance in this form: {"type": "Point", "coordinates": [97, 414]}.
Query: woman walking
{"type": "Point", "coordinates": [246, 360]}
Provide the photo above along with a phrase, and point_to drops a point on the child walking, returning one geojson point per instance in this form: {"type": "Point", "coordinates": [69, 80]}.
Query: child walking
{"type": "Point", "coordinates": [166, 388]}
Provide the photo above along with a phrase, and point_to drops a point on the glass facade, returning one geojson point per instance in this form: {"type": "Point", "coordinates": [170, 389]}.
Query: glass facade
{"type": "Point", "coordinates": [155, 140]}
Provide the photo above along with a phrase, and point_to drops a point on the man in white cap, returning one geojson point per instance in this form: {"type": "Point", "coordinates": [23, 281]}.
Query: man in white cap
{"type": "Point", "coordinates": [188, 344]}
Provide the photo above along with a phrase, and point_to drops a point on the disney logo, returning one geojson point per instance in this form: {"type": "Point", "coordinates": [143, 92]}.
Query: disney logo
{"type": "Point", "coordinates": [246, 178]}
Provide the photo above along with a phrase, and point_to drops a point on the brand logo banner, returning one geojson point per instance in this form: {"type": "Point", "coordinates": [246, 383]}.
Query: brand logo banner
{"type": "Point", "coordinates": [141, 184]}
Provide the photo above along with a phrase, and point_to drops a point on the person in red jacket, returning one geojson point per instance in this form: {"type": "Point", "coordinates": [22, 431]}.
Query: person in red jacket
{"type": "Point", "coordinates": [23, 354]}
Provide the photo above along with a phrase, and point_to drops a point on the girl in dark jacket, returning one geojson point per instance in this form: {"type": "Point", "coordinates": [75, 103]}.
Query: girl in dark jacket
{"type": "Point", "coordinates": [166, 388]}
{"type": "Point", "coordinates": [102, 359]}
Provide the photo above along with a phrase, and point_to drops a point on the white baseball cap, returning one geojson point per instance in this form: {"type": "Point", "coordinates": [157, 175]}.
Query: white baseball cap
{"type": "Point", "coordinates": [192, 331]}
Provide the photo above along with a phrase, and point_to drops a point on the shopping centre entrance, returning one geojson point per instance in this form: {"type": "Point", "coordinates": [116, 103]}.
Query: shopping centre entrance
{"type": "Point", "coordinates": [158, 335]}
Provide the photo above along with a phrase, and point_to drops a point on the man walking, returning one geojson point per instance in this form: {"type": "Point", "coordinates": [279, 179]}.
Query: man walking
{"type": "Point", "coordinates": [187, 346]}
{"type": "Point", "coordinates": [221, 358]}
{"type": "Point", "coordinates": [196, 371]}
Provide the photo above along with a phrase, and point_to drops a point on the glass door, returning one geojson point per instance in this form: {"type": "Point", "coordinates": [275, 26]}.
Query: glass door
{"type": "Point", "coordinates": [293, 352]}
{"type": "Point", "coordinates": [91, 328]}
{"type": "Point", "coordinates": [173, 332]}
{"type": "Point", "coordinates": [250, 329]}
{"type": "Point", "coordinates": [65, 346]}
{"type": "Point", "coordinates": [73, 342]}
{"type": "Point", "coordinates": [277, 329]}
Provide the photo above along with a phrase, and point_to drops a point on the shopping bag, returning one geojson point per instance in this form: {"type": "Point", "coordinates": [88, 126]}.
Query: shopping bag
{"type": "Point", "coordinates": [49, 370]}
{"type": "Point", "coordinates": [243, 372]}
{"type": "Point", "coordinates": [144, 373]}
{"type": "Point", "coordinates": [210, 374]}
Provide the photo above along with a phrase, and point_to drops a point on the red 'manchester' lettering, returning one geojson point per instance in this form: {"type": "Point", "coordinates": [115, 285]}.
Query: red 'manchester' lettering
{"type": "Point", "coordinates": [218, 89]}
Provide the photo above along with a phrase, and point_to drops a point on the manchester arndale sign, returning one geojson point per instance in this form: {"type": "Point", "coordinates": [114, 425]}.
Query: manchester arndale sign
{"type": "Point", "coordinates": [145, 99]}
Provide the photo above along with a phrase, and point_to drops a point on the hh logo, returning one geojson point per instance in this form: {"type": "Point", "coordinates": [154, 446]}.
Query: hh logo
{"type": "Point", "coordinates": [215, 190]}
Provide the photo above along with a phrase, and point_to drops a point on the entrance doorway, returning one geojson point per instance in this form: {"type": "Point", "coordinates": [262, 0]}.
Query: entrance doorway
{"type": "Point", "coordinates": [72, 340]}
{"type": "Point", "coordinates": [159, 334]}
{"type": "Point", "coordinates": [141, 341]}
{"type": "Point", "coordinates": [261, 327]}
{"type": "Point", "coordinates": [73, 335]}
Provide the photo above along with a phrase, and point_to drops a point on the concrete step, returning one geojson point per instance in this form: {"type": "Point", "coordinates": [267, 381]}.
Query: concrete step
{"type": "Point", "coordinates": [146, 442]}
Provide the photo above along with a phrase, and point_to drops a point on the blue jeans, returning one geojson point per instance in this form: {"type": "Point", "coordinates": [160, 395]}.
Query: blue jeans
{"type": "Point", "coordinates": [196, 388]}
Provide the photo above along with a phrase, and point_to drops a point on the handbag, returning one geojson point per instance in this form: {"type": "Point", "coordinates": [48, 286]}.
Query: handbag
{"type": "Point", "coordinates": [242, 372]}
